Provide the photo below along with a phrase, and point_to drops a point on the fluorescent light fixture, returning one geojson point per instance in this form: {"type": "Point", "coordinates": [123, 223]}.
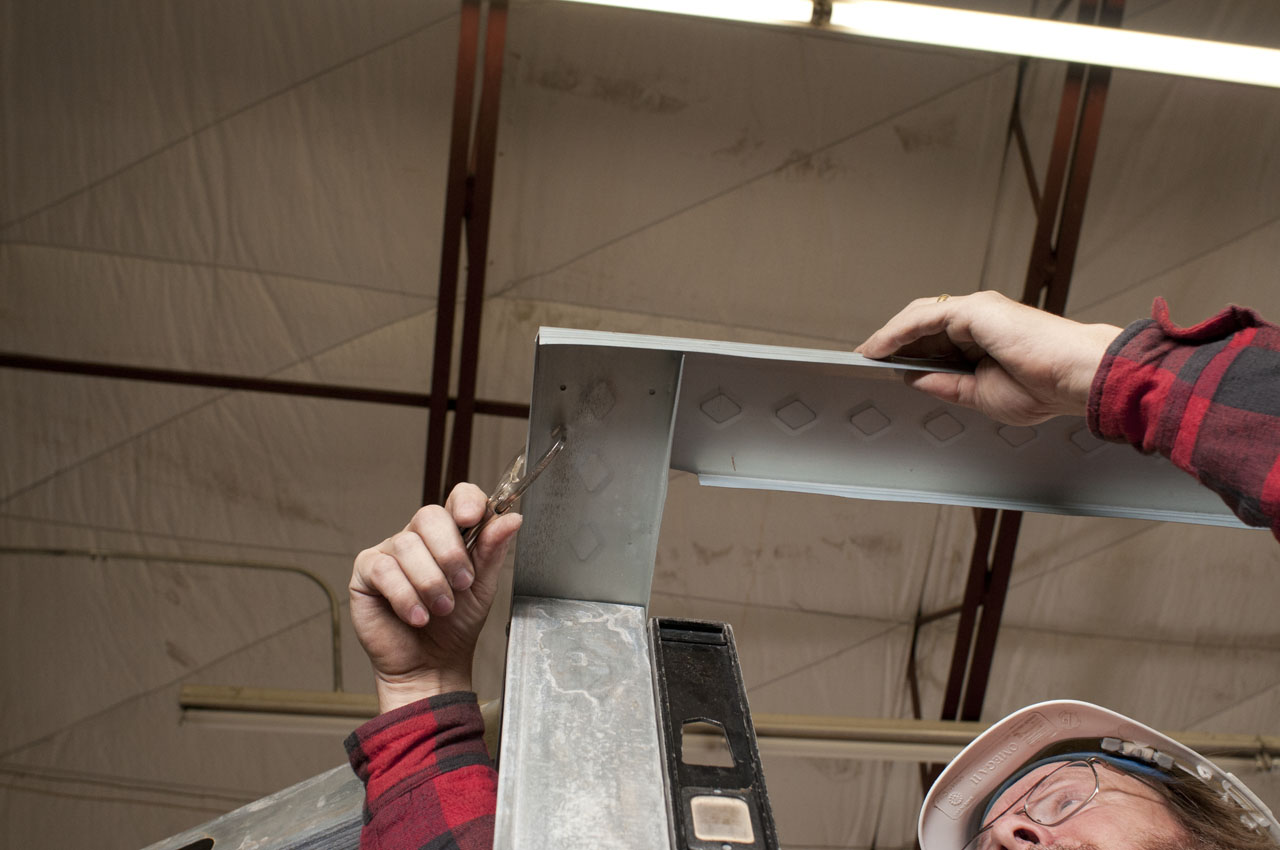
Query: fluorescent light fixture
{"type": "Point", "coordinates": [1094, 45]}
{"type": "Point", "coordinates": [1011, 34]}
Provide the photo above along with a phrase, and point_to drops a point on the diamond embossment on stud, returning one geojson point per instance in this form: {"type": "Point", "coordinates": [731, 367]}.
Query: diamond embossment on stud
{"type": "Point", "coordinates": [944, 427]}
{"type": "Point", "coordinates": [721, 409]}
{"type": "Point", "coordinates": [1016, 435]}
{"type": "Point", "coordinates": [795, 415]}
{"type": "Point", "coordinates": [869, 420]}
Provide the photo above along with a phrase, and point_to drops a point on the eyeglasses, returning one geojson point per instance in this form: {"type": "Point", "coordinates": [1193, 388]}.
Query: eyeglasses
{"type": "Point", "coordinates": [1057, 796]}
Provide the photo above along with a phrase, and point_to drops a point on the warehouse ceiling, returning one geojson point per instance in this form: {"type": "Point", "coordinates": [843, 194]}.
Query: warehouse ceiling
{"type": "Point", "coordinates": [257, 189]}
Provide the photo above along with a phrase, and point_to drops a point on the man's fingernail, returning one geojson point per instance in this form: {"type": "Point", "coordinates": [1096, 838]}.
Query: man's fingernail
{"type": "Point", "coordinates": [441, 605]}
{"type": "Point", "coordinates": [462, 579]}
{"type": "Point", "coordinates": [418, 616]}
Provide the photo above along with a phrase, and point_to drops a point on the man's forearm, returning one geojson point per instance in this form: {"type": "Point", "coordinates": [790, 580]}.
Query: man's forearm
{"type": "Point", "coordinates": [1206, 397]}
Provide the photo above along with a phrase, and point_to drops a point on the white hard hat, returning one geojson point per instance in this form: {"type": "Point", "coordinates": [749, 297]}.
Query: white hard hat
{"type": "Point", "coordinates": [955, 805]}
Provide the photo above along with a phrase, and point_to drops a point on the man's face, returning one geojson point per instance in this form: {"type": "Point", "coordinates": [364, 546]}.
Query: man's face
{"type": "Point", "coordinates": [1126, 813]}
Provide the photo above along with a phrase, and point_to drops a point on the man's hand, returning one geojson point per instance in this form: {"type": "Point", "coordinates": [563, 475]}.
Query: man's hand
{"type": "Point", "coordinates": [1031, 365]}
{"type": "Point", "coordinates": [418, 601]}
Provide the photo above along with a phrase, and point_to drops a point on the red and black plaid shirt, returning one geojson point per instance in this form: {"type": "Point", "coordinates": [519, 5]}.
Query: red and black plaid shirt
{"type": "Point", "coordinates": [429, 784]}
{"type": "Point", "coordinates": [1206, 397]}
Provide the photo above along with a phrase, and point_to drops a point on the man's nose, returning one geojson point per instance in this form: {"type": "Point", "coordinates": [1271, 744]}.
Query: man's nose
{"type": "Point", "coordinates": [1015, 832]}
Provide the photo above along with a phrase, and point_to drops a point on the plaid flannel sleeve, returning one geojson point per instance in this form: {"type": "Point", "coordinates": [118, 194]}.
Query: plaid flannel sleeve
{"type": "Point", "coordinates": [429, 783]}
{"type": "Point", "coordinates": [1206, 397]}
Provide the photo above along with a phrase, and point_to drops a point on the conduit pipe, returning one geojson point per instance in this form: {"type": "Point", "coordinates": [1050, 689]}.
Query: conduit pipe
{"type": "Point", "coordinates": [335, 623]}
{"type": "Point", "coordinates": [810, 736]}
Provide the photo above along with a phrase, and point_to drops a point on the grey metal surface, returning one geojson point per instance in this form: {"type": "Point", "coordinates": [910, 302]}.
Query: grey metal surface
{"type": "Point", "coordinates": [321, 813]}
{"type": "Point", "coordinates": [591, 523]}
{"type": "Point", "coordinates": [834, 422]}
{"type": "Point", "coordinates": [580, 761]}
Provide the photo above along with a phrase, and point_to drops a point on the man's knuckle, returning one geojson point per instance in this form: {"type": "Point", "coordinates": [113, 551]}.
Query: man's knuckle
{"type": "Point", "coordinates": [383, 566]}
{"type": "Point", "coordinates": [403, 543]}
{"type": "Point", "coordinates": [454, 555]}
{"type": "Point", "coordinates": [427, 516]}
{"type": "Point", "coordinates": [429, 587]}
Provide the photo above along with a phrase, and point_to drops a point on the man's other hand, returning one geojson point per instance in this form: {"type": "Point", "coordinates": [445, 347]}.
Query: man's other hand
{"type": "Point", "coordinates": [1029, 365]}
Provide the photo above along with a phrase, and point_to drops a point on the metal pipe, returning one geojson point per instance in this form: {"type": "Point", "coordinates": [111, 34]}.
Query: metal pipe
{"type": "Point", "coordinates": [957, 734]}
{"type": "Point", "coordinates": [819, 736]}
{"type": "Point", "coordinates": [335, 624]}
{"type": "Point", "coordinates": [277, 701]}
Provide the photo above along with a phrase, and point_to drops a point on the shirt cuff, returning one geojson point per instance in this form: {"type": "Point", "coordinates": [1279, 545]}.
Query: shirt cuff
{"type": "Point", "coordinates": [416, 743]}
{"type": "Point", "coordinates": [1146, 377]}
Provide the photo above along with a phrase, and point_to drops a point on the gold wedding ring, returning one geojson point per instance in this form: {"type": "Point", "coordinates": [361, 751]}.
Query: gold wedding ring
{"type": "Point", "coordinates": [942, 298]}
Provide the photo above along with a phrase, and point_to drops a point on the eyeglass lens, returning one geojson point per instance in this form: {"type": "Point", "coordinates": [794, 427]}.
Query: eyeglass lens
{"type": "Point", "coordinates": [1062, 793]}
{"type": "Point", "coordinates": [1056, 797]}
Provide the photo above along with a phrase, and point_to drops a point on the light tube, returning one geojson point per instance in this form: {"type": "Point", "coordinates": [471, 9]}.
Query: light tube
{"type": "Point", "coordinates": [1094, 45]}
{"type": "Point", "coordinates": [995, 33]}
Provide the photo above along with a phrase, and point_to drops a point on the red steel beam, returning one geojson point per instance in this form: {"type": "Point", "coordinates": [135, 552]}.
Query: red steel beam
{"type": "Point", "coordinates": [450, 248]}
{"type": "Point", "coordinates": [1067, 245]}
{"type": "Point", "coordinates": [975, 587]}
{"type": "Point", "coordinates": [997, 590]}
{"type": "Point", "coordinates": [1018, 132]}
{"type": "Point", "coordinates": [1040, 266]}
{"type": "Point", "coordinates": [479, 211]}
{"type": "Point", "coordinates": [244, 383]}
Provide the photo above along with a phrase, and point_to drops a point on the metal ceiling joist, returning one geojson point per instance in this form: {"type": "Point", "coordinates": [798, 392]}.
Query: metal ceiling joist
{"type": "Point", "coordinates": [1059, 216]}
{"type": "Point", "coordinates": [246, 383]}
{"type": "Point", "coordinates": [988, 585]}
{"type": "Point", "coordinates": [468, 204]}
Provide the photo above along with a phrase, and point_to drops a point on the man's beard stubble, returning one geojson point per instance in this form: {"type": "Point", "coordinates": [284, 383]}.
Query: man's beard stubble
{"type": "Point", "coordinates": [1185, 842]}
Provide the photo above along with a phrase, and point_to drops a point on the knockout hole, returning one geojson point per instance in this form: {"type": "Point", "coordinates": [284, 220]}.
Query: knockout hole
{"type": "Point", "coordinates": [704, 742]}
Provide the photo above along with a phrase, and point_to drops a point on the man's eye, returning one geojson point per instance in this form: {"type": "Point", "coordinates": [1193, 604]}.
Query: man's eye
{"type": "Point", "coordinates": [1062, 801]}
